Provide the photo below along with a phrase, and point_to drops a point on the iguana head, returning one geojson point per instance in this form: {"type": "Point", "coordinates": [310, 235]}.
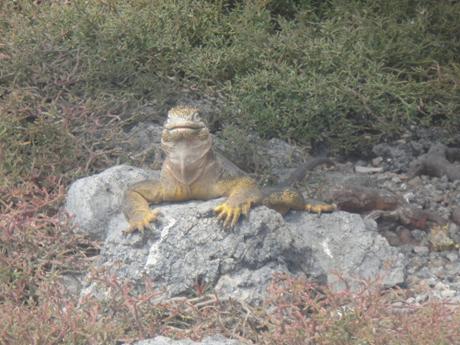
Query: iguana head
{"type": "Point", "coordinates": [184, 124]}
{"type": "Point", "coordinates": [187, 143]}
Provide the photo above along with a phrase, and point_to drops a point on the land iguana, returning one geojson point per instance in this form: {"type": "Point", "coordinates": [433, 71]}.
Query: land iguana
{"type": "Point", "coordinates": [192, 172]}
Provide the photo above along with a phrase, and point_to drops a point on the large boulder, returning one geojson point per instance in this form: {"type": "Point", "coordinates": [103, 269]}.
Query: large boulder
{"type": "Point", "coordinates": [189, 246]}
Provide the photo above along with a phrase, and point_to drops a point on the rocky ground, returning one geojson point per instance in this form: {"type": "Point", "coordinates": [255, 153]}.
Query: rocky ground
{"type": "Point", "coordinates": [432, 252]}
{"type": "Point", "coordinates": [418, 219]}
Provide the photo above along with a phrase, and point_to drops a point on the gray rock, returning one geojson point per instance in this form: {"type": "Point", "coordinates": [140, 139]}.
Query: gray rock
{"type": "Point", "coordinates": [447, 293]}
{"type": "Point", "coordinates": [424, 273]}
{"type": "Point", "coordinates": [454, 231]}
{"type": "Point", "coordinates": [143, 144]}
{"type": "Point", "coordinates": [145, 136]}
{"type": "Point", "coordinates": [452, 270]}
{"type": "Point", "coordinates": [396, 157]}
{"type": "Point", "coordinates": [281, 154]}
{"type": "Point", "coordinates": [214, 340]}
{"type": "Point", "coordinates": [452, 256]}
{"type": "Point", "coordinates": [421, 298]}
{"type": "Point", "coordinates": [418, 235]}
{"type": "Point", "coordinates": [410, 300]}
{"type": "Point", "coordinates": [368, 170]}
{"type": "Point", "coordinates": [347, 248]}
{"type": "Point", "coordinates": [377, 161]}
{"type": "Point", "coordinates": [92, 201]}
{"type": "Point", "coordinates": [189, 246]}
{"type": "Point", "coordinates": [421, 250]}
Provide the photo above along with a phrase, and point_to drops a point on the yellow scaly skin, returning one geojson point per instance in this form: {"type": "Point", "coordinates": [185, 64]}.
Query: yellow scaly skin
{"type": "Point", "coordinates": [191, 172]}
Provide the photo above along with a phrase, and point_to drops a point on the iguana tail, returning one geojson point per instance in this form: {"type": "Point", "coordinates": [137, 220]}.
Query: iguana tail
{"type": "Point", "coordinates": [299, 173]}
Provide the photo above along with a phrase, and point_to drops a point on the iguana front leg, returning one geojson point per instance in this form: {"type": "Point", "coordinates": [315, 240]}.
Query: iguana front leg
{"type": "Point", "coordinates": [136, 204]}
{"type": "Point", "coordinates": [242, 193]}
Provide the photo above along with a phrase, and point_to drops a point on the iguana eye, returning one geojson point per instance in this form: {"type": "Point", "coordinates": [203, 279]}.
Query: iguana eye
{"type": "Point", "coordinates": [196, 117]}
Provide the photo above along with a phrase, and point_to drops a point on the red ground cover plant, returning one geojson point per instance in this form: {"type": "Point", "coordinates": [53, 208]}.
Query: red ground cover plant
{"type": "Point", "coordinates": [38, 249]}
{"type": "Point", "coordinates": [305, 313]}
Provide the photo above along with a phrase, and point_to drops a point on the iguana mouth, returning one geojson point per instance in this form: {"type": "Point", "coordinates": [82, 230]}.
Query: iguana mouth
{"type": "Point", "coordinates": [184, 131]}
{"type": "Point", "coordinates": [184, 126]}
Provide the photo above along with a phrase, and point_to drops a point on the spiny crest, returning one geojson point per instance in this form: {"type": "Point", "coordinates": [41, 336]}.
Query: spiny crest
{"type": "Point", "coordinates": [183, 111]}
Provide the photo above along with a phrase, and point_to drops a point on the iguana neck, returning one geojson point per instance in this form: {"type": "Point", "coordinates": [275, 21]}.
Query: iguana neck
{"type": "Point", "coordinates": [187, 160]}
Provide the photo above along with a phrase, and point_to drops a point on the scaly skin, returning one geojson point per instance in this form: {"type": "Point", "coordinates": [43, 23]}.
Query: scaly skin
{"type": "Point", "coordinates": [191, 172]}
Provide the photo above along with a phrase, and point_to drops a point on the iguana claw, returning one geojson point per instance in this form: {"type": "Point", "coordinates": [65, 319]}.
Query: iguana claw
{"type": "Point", "coordinates": [141, 221]}
{"type": "Point", "coordinates": [231, 214]}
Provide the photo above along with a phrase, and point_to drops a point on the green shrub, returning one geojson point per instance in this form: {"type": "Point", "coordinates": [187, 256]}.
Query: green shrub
{"type": "Point", "coordinates": [356, 76]}
{"type": "Point", "coordinates": [347, 73]}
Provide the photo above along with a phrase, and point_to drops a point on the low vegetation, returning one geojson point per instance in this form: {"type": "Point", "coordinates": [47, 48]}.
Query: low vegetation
{"type": "Point", "coordinates": [74, 75]}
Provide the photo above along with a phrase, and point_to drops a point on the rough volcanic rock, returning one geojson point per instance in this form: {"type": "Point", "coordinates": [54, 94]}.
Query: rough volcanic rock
{"type": "Point", "coordinates": [189, 246]}
{"type": "Point", "coordinates": [94, 200]}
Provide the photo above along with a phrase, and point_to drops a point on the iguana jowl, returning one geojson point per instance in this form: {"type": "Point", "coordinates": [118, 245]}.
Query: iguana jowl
{"type": "Point", "coordinates": [191, 172]}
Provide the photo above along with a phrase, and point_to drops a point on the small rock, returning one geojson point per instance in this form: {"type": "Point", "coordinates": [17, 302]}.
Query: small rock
{"type": "Point", "coordinates": [421, 250]}
{"type": "Point", "coordinates": [418, 235]}
{"type": "Point", "coordinates": [454, 232]}
{"type": "Point", "coordinates": [441, 286]}
{"type": "Point", "coordinates": [396, 179]}
{"type": "Point", "coordinates": [416, 181]}
{"type": "Point", "coordinates": [436, 261]}
{"type": "Point", "coordinates": [453, 271]}
{"type": "Point", "coordinates": [431, 282]}
{"type": "Point", "coordinates": [444, 179]}
{"type": "Point", "coordinates": [405, 236]}
{"type": "Point", "coordinates": [452, 256]}
{"type": "Point", "coordinates": [368, 170]}
{"type": "Point", "coordinates": [418, 260]}
{"type": "Point", "coordinates": [72, 284]}
{"type": "Point", "coordinates": [409, 197]}
{"type": "Point", "coordinates": [425, 273]}
{"type": "Point", "coordinates": [392, 238]}
{"type": "Point", "coordinates": [421, 298]}
{"type": "Point", "coordinates": [448, 293]}
{"type": "Point", "coordinates": [412, 281]}
{"type": "Point", "coordinates": [410, 300]}
{"type": "Point", "coordinates": [377, 161]}
{"type": "Point", "coordinates": [440, 273]}
{"type": "Point", "coordinates": [416, 147]}
{"type": "Point", "coordinates": [440, 240]}
{"type": "Point", "coordinates": [214, 340]}
{"type": "Point", "coordinates": [398, 305]}
{"type": "Point", "coordinates": [438, 198]}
